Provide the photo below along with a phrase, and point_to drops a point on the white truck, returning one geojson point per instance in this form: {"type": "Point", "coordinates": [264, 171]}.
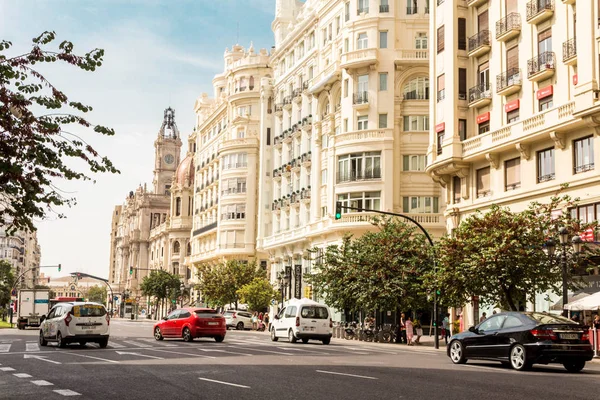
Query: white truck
{"type": "Point", "coordinates": [32, 304]}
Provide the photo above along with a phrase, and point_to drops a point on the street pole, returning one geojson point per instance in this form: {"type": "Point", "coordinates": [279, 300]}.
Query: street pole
{"type": "Point", "coordinates": [565, 290]}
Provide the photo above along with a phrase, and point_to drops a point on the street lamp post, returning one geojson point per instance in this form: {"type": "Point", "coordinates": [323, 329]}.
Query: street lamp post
{"type": "Point", "coordinates": [284, 280]}
{"type": "Point", "coordinates": [550, 245]}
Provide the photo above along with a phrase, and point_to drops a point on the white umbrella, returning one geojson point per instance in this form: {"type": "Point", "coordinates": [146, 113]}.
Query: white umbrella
{"type": "Point", "coordinates": [591, 302]}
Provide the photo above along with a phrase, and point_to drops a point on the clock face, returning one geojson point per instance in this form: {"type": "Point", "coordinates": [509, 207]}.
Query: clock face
{"type": "Point", "coordinates": [169, 158]}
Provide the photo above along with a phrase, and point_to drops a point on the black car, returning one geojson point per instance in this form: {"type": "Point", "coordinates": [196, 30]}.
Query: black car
{"type": "Point", "coordinates": [520, 339]}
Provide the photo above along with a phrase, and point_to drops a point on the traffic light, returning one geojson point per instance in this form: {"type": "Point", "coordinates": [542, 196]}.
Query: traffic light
{"type": "Point", "coordinates": [130, 270]}
{"type": "Point", "coordinates": [338, 210]}
{"type": "Point", "coordinates": [59, 267]}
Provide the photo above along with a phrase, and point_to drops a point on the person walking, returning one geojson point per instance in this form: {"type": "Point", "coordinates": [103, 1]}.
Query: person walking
{"type": "Point", "coordinates": [266, 321]}
{"type": "Point", "coordinates": [596, 321]}
{"type": "Point", "coordinates": [409, 331]}
{"type": "Point", "coordinates": [418, 327]}
{"type": "Point", "coordinates": [254, 321]}
{"type": "Point", "coordinates": [402, 329]}
{"type": "Point", "coordinates": [483, 317]}
{"type": "Point", "coordinates": [446, 327]}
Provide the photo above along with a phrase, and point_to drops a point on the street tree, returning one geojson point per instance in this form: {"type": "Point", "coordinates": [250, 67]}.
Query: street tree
{"type": "Point", "coordinates": [219, 284]}
{"type": "Point", "coordinates": [257, 294]}
{"type": "Point", "coordinates": [161, 285]}
{"type": "Point", "coordinates": [38, 142]}
{"type": "Point", "coordinates": [380, 270]}
{"type": "Point", "coordinates": [7, 280]}
{"type": "Point", "coordinates": [499, 255]}
{"type": "Point", "coordinates": [97, 294]}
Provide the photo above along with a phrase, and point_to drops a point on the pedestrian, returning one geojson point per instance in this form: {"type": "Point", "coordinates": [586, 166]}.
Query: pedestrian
{"type": "Point", "coordinates": [483, 317]}
{"type": "Point", "coordinates": [254, 321]}
{"type": "Point", "coordinates": [410, 331]}
{"type": "Point", "coordinates": [494, 313]}
{"type": "Point", "coordinates": [260, 316]}
{"type": "Point", "coordinates": [266, 321]}
{"type": "Point", "coordinates": [596, 321]}
{"type": "Point", "coordinates": [402, 329]}
{"type": "Point", "coordinates": [418, 328]}
{"type": "Point", "coordinates": [446, 327]}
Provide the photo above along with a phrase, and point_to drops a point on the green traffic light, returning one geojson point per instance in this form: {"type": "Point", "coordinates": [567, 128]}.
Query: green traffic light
{"type": "Point", "coordinates": [438, 292]}
{"type": "Point", "coordinates": [59, 267]}
{"type": "Point", "coordinates": [338, 216]}
{"type": "Point", "coordinates": [338, 210]}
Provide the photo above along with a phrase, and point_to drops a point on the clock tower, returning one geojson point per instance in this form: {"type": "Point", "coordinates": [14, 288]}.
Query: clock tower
{"type": "Point", "coordinates": [167, 150]}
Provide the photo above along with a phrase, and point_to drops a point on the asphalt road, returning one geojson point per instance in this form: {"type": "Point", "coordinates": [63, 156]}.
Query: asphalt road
{"type": "Point", "coordinates": [248, 364]}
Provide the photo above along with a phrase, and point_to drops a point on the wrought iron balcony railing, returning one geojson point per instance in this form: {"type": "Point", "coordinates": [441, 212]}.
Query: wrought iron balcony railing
{"type": "Point", "coordinates": [569, 49]}
{"type": "Point", "coordinates": [509, 23]}
{"type": "Point", "coordinates": [536, 7]}
{"type": "Point", "coordinates": [479, 39]}
{"type": "Point", "coordinates": [352, 176]}
{"type": "Point", "coordinates": [479, 92]}
{"type": "Point", "coordinates": [541, 63]}
{"type": "Point", "coordinates": [360, 98]}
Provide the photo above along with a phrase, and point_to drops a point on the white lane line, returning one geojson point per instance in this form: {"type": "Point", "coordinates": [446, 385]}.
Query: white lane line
{"type": "Point", "coordinates": [224, 383]}
{"type": "Point", "coordinates": [371, 349]}
{"type": "Point", "coordinates": [131, 353]}
{"type": "Point", "coordinates": [225, 351]}
{"type": "Point", "coordinates": [42, 383]}
{"type": "Point", "coordinates": [115, 345]}
{"type": "Point", "coordinates": [138, 344]}
{"type": "Point", "coordinates": [266, 351]}
{"type": "Point", "coordinates": [180, 353]}
{"type": "Point", "coordinates": [66, 392]}
{"type": "Point", "coordinates": [352, 375]}
{"type": "Point", "coordinates": [6, 369]}
{"type": "Point", "coordinates": [159, 343]}
{"type": "Point", "coordinates": [32, 347]}
{"type": "Point", "coordinates": [4, 348]}
{"type": "Point", "coordinates": [22, 375]}
{"type": "Point", "coordinates": [93, 358]}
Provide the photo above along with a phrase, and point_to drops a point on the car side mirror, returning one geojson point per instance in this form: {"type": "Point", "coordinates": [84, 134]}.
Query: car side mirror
{"type": "Point", "coordinates": [42, 318]}
{"type": "Point", "coordinates": [473, 329]}
{"type": "Point", "coordinates": [276, 317]}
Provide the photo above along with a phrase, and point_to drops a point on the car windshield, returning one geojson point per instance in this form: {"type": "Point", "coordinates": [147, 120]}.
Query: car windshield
{"type": "Point", "coordinates": [549, 319]}
{"type": "Point", "coordinates": [89, 310]}
{"type": "Point", "coordinates": [229, 313]}
{"type": "Point", "coordinates": [207, 314]}
{"type": "Point", "coordinates": [316, 312]}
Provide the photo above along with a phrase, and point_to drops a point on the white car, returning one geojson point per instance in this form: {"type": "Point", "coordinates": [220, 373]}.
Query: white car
{"type": "Point", "coordinates": [239, 320]}
{"type": "Point", "coordinates": [75, 322]}
{"type": "Point", "coordinates": [303, 319]}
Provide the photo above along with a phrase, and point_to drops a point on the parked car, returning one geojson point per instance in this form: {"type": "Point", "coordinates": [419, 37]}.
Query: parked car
{"type": "Point", "coordinates": [239, 320]}
{"type": "Point", "coordinates": [75, 322]}
{"type": "Point", "coordinates": [303, 319]}
{"type": "Point", "coordinates": [520, 339]}
{"type": "Point", "coordinates": [190, 323]}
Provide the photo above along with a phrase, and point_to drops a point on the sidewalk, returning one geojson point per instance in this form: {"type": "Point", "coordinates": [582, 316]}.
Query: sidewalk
{"type": "Point", "coordinates": [427, 344]}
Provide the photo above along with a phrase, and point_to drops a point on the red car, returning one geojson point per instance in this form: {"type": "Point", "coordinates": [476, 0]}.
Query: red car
{"type": "Point", "coordinates": [190, 323]}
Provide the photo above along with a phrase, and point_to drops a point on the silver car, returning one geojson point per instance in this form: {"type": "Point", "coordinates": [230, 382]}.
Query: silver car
{"type": "Point", "coordinates": [239, 320]}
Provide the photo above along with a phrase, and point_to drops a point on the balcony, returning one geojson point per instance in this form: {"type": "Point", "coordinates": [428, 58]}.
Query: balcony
{"type": "Point", "coordinates": [297, 95]}
{"type": "Point", "coordinates": [277, 142]}
{"type": "Point", "coordinates": [539, 10]}
{"type": "Point", "coordinates": [306, 159]}
{"type": "Point", "coordinates": [480, 95]}
{"type": "Point", "coordinates": [359, 59]}
{"type": "Point", "coordinates": [407, 57]}
{"type": "Point", "coordinates": [287, 136]}
{"type": "Point", "coordinates": [305, 86]}
{"type": "Point", "coordinates": [509, 82]}
{"type": "Point", "coordinates": [287, 103]}
{"type": "Point", "coordinates": [307, 123]}
{"type": "Point", "coordinates": [279, 109]}
{"type": "Point", "coordinates": [384, 8]}
{"type": "Point", "coordinates": [570, 52]}
{"type": "Point", "coordinates": [508, 27]}
{"type": "Point", "coordinates": [305, 195]}
{"type": "Point", "coordinates": [479, 44]}
{"type": "Point", "coordinates": [354, 176]}
{"type": "Point", "coordinates": [541, 67]}
{"type": "Point", "coordinates": [295, 164]}
{"type": "Point", "coordinates": [475, 3]}
{"type": "Point", "coordinates": [277, 174]}
{"type": "Point", "coordinates": [360, 100]}
{"type": "Point", "coordinates": [205, 228]}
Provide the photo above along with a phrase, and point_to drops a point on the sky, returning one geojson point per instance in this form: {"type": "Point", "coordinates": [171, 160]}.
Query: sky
{"type": "Point", "coordinates": [158, 53]}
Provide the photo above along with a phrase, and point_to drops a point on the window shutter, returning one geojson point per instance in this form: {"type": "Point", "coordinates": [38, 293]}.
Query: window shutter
{"type": "Point", "coordinates": [462, 34]}
{"type": "Point", "coordinates": [440, 39]}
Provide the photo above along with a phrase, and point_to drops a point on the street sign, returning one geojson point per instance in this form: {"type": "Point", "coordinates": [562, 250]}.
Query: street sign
{"type": "Point", "coordinates": [14, 292]}
{"type": "Point", "coordinates": [273, 302]}
{"type": "Point", "coordinates": [41, 301]}
{"type": "Point", "coordinates": [116, 298]}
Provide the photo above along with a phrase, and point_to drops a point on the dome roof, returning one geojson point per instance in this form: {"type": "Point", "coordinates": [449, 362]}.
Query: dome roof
{"type": "Point", "coordinates": [185, 171]}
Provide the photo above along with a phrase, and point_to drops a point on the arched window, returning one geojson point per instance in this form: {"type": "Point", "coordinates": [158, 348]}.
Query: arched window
{"type": "Point", "coordinates": [176, 248]}
{"type": "Point", "coordinates": [417, 89]}
{"type": "Point", "coordinates": [178, 206]}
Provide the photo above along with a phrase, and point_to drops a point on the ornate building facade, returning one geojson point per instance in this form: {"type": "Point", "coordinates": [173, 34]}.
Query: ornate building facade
{"type": "Point", "coordinates": [22, 250]}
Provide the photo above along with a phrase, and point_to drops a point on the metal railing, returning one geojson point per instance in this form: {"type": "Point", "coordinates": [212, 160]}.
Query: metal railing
{"type": "Point", "coordinates": [353, 176]}
{"type": "Point", "coordinates": [536, 7]}
{"type": "Point", "coordinates": [279, 107]}
{"type": "Point", "coordinates": [479, 39]}
{"type": "Point", "coordinates": [511, 22]}
{"type": "Point", "coordinates": [287, 100]}
{"type": "Point", "coordinates": [541, 63]}
{"type": "Point", "coordinates": [384, 8]}
{"type": "Point", "coordinates": [479, 92]}
{"type": "Point", "coordinates": [205, 228]}
{"type": "Point", "coordinates": [360, 98]}
{"type": "Point", "coordinates": [411, 10]}
{"type": "Point", "coordinates": [362, 10]}
{"type": "Point", "coordinates": [569, 49]}
{"type": "Point", "coordinates": [508, 78]}
{"type": "Point", "coordinates": [297, 92]}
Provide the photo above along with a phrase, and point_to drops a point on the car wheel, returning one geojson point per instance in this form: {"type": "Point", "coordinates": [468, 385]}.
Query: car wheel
{"type": "Point", "coordinates": [327, 341]}
{"type": "Point", "coordinates": [291, 337]}
{"type": "Point", "coordinates": [457, 352]}
{"type": "Point", "coordinates": [219, 339]}
{"type": "Point", "coordinates": [240, 326]}
{"type": "Point", "coordinates": [187, 335]}
{"type": "Point", "coordinates": [518, 358]}
{"type": "Point", "coordinates": [60, 341]}
{"type": "Point", "coordinates": [157, 334]}
{"type": "Point", "coordinates": [304, 340]}
{"type": "Point", "coordinates": [43, 341]}
{"type": "Point", "coordinates": [574, 366]}
{"type": "Point", "coordinates": [103, 343]}
{"type": "Point", "coordinates": [273, 337]}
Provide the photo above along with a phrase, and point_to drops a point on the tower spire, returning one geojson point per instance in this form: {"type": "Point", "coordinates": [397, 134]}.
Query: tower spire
{"type": "Point", "coordinates": [169, 128]}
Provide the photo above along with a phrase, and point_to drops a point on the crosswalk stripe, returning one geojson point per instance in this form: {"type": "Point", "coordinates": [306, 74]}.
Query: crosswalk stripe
{"type": "Point", "coordinates": [115, 345]}
{"type": "Point", "coordinates": [138, 344]}
{"type": "Point", "coordinates": [4, 348]}
{"type": "Point", "coordinates": [156, 342]}
{"type": "Point", "coordinates": [32, 347]}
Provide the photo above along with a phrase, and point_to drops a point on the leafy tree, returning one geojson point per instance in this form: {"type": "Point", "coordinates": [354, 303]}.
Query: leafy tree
{"type": "Point", "coordinates": [499, 256]}
{"type": "Point", "coordinates": [219, 284]}
{"type": "Point", "coordinates": [7, 280]}
{"type": "Point", "coordinates": [161, 285]}
{"type": "Point", "coordinates": [380, 270]}
{"type": "Point", "coordinates": [36, 141]}
{"type": "Point", "coordinates": [97, 294]}
{"type": "Point", "coordinates": [257, 294]}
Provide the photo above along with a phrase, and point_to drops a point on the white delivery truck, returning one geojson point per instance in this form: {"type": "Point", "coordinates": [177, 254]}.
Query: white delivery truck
{"type": "Point", "coordinates": [32, 304]}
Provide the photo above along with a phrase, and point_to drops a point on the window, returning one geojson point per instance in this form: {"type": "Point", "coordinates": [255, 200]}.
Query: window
{"type": "Point", "coordinates": [440, 141]}
{"type": "Point", "coordinates": [462, 34]}
{"type": "Point", "coordinates": [411, 7]}
{"type": "Point", "coordinates": [456, 189]}
{"type": "Point", "coordinates": [383, 81]}
{"type": "Point", "coordinates": [421, 42]}
{"type": "Point", "coordinates": [362, 42]}
{"type": "Point", "coordinates": [416, 123]}
{"type": "Point", "coordinates": [178, 206]}
{"type": "Point", "coordinates": [483, 21]}
{"type": "Point", "coordinates": [414, 163]}
{"type": "Point", "coordinates": [462, 83]}
{"type": "Point", "coordinates": [383, 121]}
{"type": "Point", "coordinates": [483, 77]}
{"type": "Point", "coordinates": [363, 6]}
{"type": "Point", "coordinates": [368, 200]}
{"type": "Point", "coordinates": [545, 171]}
{"type": "Point", "coordinates": [346, 85]}
{"type": "Point", "coordinates": [324, 176]}
{"type": "Point", "coordinates": [583, 156]}
{"type": "Point", "coordinates": [587, 213]}
{"type": "Point", "coordinates": [383, 36]}
{"type": "Point", "coordinates": [484, 127]}
{"type": "Point", "coordinates": [236, 160]}
{"type": "Point", "coordinates": [512, 174]}
{"type": "Point", "coordinates": [491, 324]}
{"type": "Point", "coordinates": [417, 89]}
{"type": "Point", "coordinates": [441, 89]}
{"type": "Point", "coordinates": [440, 39]}
{"type": "Point", "coordinates": [234, 211]}
{"type": "Point", "coordinates": [512, 116]}
{"type": "Point", "coordinates": [462, 129]}
{"type": "Point", "coordinates": [346, 12]}
{"type": "Point", "coordinates": [483, 182]}
{"type": "Point", "coordinates": [345, 124]}
{"type": "Point", "coordinates": [176, 248]}
{"type": "Point", "coordinates": [362, 123]}
{"type": "Point", "coordinates": [384, 6]}
{"type": "Point", "coordinates": [546, 103]}
{"type": "Point", "coordinates": [359, 166]}
{"type": "Point", "coordinates": [545, 41]}
{"type": "Point", "coordinates": [420, 204]}
{"type": "Point", "coordinates": [233, 186]}
{"type": "Point", "coordinates": [512, 322]}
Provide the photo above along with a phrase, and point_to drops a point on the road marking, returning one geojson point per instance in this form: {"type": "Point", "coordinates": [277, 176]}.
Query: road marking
{"type": "Point", "coordinates": [371, 349]}
{"type": "Point", "coordinates": [138, 344]}
{"type": "Point", "coordinates": [22, 375]}
{"type": "Point", "coordinates": [352, 375]}
{"type": "Point", "coordinates": [66, 392]}
{"type": "Point", "coordinates": [183, 354]}
{"type": "Point", "coordinates": [40, 358]}
{"type": "Point", "coordinates": [42, 383]}
{"type": "Point", "coordinates": [4, 348]}
{"type": "Point", "coordinates": [159, 343]}
{"type": "Point", "coordinates": [268, 351]}
{"type": "Point", "coordinates": [32, 347]}
{"type": "Point", "coordinates": [94, 358]}
{"type": "Point", "coordinates": [138, 354]}
{"type": "Point", "coordinates": [224, 383]}
{"type": "Point", "coordinates": [225, 351]}
{"type": "Point", "coordinates": [6, 369]}
{"type": "Point", "coordinates": [115, 345]}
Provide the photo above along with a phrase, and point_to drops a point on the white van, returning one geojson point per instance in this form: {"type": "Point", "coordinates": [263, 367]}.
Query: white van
{"type": "Point", "coordinates": [79, 322]}
{"type": "Point", "coordinates": [303, 319]}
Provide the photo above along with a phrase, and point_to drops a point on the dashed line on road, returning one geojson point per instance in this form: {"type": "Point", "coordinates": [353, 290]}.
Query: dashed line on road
{"type": "Point", "coordinates": [351, 375]}
{"type": "Point", "coordinates": [66, 392]}
{"type": "Point", "coordinates": [138, 344]}
{"type": "Point", "coordinates": [266, 351]}
{"type": "Point", "coordinates": [225, 383]}
{"type": "Point", "coordinates": [180, 353]}
{"type": "Point", "coordinates": [22, 375]}
{"type": "Point", "coordinates": [6, 369]}
{"type": "Point", "coordinates": [42, 383]}
{"type": "Point", "coordinates": [32, 347]}
{"type": "Point", "coordinates": [94, 358]}
{"type": "Point", "coordinates": [5, 347]}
